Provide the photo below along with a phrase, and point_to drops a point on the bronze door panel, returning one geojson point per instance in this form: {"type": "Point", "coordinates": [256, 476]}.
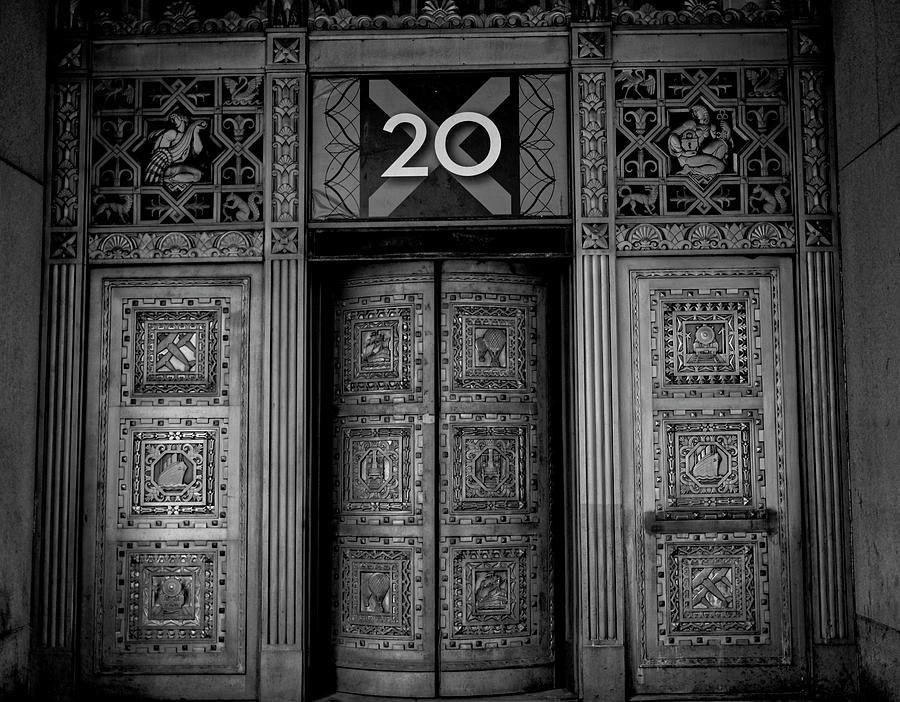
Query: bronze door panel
{"type": "Point", "coordinates": [713, 547]}
{"type": "Point", "coordinates": [441, 554]}
{"type": "Point", "coordinates": [171, 396]}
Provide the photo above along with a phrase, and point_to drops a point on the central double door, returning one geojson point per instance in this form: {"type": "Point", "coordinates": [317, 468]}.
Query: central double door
{"type": "Point", "coordinates": [441, 564]}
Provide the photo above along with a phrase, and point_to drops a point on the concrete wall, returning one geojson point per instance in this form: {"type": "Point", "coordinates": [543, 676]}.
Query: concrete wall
{"type": "Point", "coordinates": [23, 67]}
{"type": "Point", "coordinates": [867, 82]}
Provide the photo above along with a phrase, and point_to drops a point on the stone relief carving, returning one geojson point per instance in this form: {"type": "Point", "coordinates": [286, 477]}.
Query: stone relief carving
{"type": "Point", "coordinates": [435, 14]}
{"type": "Point", "coordinates": [703, 141]}
{"type": "Point", "coordinates": [816, 167]}
{"type": "Point", "coordinates": [173, 150]}
{"type": "Point", "coordinates": [66, 154]}
{"type": "Point", "coordinates": [697, 12]}
{"type": "Point", "coordinates": [285, 149]}
{"type": "Point", "coordinates": [188, 245]}
{"type": "Point", "coordinates": [592, 124]}
{"type": "Point", "coordinates": [705, 235]}
{"type": "Point", "coordinates": [178, 17]}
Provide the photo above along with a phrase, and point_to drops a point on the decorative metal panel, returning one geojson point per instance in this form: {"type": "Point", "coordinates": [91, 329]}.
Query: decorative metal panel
{"type": "Point", "coordinates": [495, 592]}
{"type": "Point", "coordinates": [703, 142]}
{"type": "Point", "coordinates": [170, 600]}
{"type": "Point", "coordinates": [175, 473]}
{"type": "Point", "coordinates": [170, 511]}
{"type": "Point", "coordinates": [380, 472]}
{"type": "Point", "coordinates": [710, 460]}
{"type": "Point", "coordinates": [382, 456]}
{"type": "Point", "coordinates": [713, 589]}
{"type": "Point", "coordinates": [177, 150]}
{"type": "Point", "coordinates": [441, 524]}
{"type": "Point", "coordinates": [378, 154]}
{"type": "Point", "coordinates": [713, 567]}
{"type": "Point", "coordinates": [494, 539]}
{"type": "Point", "coordinates": [379, 343]}
{"type": "Point", "coordinates": [379, 593]}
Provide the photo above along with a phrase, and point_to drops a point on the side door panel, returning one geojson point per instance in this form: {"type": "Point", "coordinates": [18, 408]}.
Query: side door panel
{"type": "Point", "coordinates": [707, 353]}
{"type": "Point", "coordinates": [172, 404]}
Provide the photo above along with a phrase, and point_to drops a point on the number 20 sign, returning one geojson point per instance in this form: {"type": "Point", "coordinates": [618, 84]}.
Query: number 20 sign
{"type": "Point", "coordinates": [448, 146]}
{"type": "Point", "coordinates": [399, 169]}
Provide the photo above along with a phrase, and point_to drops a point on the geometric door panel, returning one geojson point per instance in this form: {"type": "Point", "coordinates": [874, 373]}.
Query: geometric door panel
{"type": "Point", "coordinates": [441, 564]}
{"type": "Point", "coordinates": [382, 499]}
{"type": "Point", "coordinates": [707, 349]}
{"type": "Point", "coordinates": [494, 486]}
{"type": "Point", "coordinates": [170, 394]}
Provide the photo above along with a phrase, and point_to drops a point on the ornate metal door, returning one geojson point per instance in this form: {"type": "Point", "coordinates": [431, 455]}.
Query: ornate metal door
{"type": "Point", "coordinates": [168, 484]}
{"type": "Point", "coordinates": [710, 442]}
{"type": "Point", "coordinates": [441, 560]}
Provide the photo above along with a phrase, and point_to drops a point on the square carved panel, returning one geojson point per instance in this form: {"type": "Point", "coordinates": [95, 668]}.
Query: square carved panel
{"type": "Point", "coordinates": [378, 593]}
{"type": "Point", "coordinates": [707, 340]}
{"type": "Point", "coordinates": [379, 342]}
{"type": "Point", "coordinates": [713, 589]}
{"type": "Point", "coordinates": [490, 467]}
{"type": "Point", "coordinates": [173, 473]}
{"type": "Point", "coordinates": [170, 600]}
{"type": "Point", "coordinates": [378, 467]}
{"type": "Point", "coordinates": [710, 460]}
{"type": "Point", "coordinates": [176, 352]}
{"type": "Point", "coordinates": [178, 349]}
{"type": "Point", "coordinates": [491, 596]}
{"type": "Point", "coordinates": [490, 347]}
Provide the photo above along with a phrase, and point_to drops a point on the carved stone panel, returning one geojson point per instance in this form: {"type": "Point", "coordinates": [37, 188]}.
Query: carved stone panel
{"type": "Point", "coordinates": [176, 150]}
{"type": "Point", "coordinates": [699, 142]}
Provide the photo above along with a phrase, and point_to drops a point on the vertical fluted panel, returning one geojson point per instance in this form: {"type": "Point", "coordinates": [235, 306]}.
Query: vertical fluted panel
{"type": "Point", "coordinates": [597, 489]}
{"type": "Point", "coordinates": [58, 468]}
{"type": "Point", "coordinates": [825, 458]}
{"type": "Point", "coordinates": [283, 494]}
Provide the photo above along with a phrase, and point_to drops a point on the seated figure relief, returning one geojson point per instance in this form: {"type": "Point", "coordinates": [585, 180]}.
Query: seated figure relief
{"type": "Point", "coordinates": [700, 147]}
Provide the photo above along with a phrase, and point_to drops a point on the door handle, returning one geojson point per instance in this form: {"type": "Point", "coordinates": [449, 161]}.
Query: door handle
{"type": "Point", "coordinates": [767, 523]}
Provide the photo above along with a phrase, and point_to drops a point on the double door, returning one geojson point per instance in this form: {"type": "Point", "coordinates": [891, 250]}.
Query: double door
{"type": "Point", "coordinates": [440, 530]}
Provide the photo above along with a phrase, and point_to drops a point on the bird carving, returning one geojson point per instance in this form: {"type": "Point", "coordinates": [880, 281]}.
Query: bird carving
{"type": "Point", "coordinates": [243, 90]}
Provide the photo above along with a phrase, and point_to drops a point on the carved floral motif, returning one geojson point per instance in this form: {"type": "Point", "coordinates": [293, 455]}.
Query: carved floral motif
{"type": "Point", "coordinates": [704, 235]}
{"type": "Point", "coordinates": [190, 245]}
{"type": "Point", "coordinates": [698, 12]}
{"type": "Point", "coordinates": [439, 14]}
{"type": "Point", "coordinates": [180, 17]}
